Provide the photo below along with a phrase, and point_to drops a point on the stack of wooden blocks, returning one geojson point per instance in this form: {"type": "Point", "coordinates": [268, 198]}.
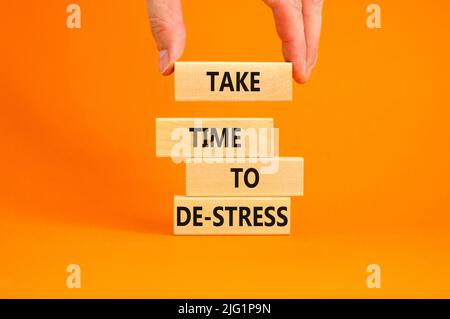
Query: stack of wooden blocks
{"type": "Point", "coordinates": [236, 183]}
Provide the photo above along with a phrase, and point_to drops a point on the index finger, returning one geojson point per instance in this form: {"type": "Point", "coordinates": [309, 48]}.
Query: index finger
{"type": "Point", "coordinates": [289, 23]}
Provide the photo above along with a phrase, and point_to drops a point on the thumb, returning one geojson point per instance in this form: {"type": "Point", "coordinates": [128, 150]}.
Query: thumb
{"type": "Point", "coordinates": [166, 19]}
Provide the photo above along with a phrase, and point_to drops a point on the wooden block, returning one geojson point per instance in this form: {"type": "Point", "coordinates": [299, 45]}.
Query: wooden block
{"type": "Point", "coordinates": [232, 215]}
{"type": "Point", "coordinates": [233, 81]}
{"type": "Point", "coordinates": [182, 138]}
{"type": "Point", "coordinates": [280, 176]}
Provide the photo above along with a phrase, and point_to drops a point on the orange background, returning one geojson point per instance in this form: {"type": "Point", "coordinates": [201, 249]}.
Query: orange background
{"type": "Point", "coordinates": [80, 182]}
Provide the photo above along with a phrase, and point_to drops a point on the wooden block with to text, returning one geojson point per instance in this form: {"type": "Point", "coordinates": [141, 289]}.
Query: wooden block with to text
{"type": "Point", "coordinates": [279, 176]}
{"type": "Point", "coordinates": [233, 81]}
{"type": "Point", "coordinates": [232, 215]}
{"type": "Point", "coordinates": [182, 138]}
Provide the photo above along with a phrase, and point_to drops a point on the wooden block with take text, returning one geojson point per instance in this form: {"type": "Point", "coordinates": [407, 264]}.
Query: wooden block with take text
{"type": "Point", "coordinates": [232, 215]}
{"type": "Point", "coordinates": [233, 81]}
{"type": "Point", "coordinates": [181, 138]}
{"type": "Point", "coordinates": [279, 176]}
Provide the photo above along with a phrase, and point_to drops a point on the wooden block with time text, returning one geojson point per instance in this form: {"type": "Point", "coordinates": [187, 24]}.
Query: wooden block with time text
{"type": "Point", "coordinates": [279, 176]}
{"type": "Point", "coordinates": [233, 81]}
{"type": "Point", "coordinates": [216, 137]}
{"type": "Point", "coordinates": [232, 215]}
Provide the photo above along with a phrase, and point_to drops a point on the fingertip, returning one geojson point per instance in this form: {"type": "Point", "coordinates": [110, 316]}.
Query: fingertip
{"type": "Point", "coordinates": [168, 57]}
{"type": "Point", "coordinates": [309, 72]}
{"type": "Point", "coordinates": [300, 79]}
{"type": "Point", "coordinates": [169, 70]}
{"type": "Point", "coordinates": [299, 72]}
{"type": "Point", "coordinates": [310, 67]}
{"type": "Point", "coordinates": [164, 61]}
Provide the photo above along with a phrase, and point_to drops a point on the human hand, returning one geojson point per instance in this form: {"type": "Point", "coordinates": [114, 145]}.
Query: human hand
{"type": "Point", "coordinates": [298, 24]}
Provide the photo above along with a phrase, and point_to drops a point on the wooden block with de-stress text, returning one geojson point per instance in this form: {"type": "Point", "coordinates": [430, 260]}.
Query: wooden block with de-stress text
{"type": "Point", "coordinates": [182, 138]}
{"type": "Point", "coordinates": [279, 176]}
{"type": "Point", "coordinates": [233, 81]}
{"type": "Point", "coordinates": [232, 215]}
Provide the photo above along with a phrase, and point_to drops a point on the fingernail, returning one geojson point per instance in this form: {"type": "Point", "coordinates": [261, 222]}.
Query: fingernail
{"type": "Point", "coordinates": [163, 60]}
{"type": "Point", "coordinates": [310, 67]}
{"type": "Point", "coordinates": [309, 71]}
{"type": "Point", "coordinates": [304, 74]}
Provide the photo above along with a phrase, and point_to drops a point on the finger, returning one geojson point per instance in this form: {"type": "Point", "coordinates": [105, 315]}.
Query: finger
{"type": "Point", "coordinates": [289, 22]}
{"type": "Point", "coordinates": [312, 18]}
{"type": "Point", "coordinates": [166, 19]}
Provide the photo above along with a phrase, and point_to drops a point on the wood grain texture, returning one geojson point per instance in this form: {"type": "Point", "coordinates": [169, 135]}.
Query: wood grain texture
{"type": "Point", "coordinates": [277, 207]}
{"type": "Point", "coordinates": [173, 138]}
{"type": "Point", "coordinates": [281, 176]}
{"type": "Point", "coordinates": [192, 82]}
